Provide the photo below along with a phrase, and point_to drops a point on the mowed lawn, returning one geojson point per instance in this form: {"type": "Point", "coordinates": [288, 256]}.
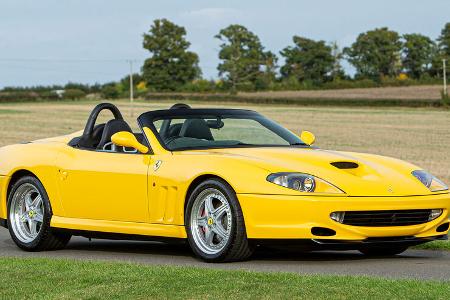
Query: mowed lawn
{"type": "Point", "coordinates": [67, 279]}
{"type": "Point", "coordinates": [418, 135]}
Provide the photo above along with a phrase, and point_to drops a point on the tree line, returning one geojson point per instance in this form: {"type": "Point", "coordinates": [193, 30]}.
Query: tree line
{"type": "Point", "coordinates": [245, 64]}
{"type": "Point", "coordinates": [381, 57]}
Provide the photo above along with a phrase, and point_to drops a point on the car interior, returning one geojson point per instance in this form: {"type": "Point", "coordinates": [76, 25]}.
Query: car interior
{"type": "Point", "coordinates": [97, 137]}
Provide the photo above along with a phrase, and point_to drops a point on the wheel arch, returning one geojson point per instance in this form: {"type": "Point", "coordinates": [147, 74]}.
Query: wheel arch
{"type": "Point", "coordinates": [199, 179]}
{"type": "Point", "coordinates": [16, 175]}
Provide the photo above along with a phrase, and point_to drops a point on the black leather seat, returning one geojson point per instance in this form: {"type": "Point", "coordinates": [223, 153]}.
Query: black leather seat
{"type": "Point", "coordinates": [112, 127]}
{"type": "Point", "coordinates": [196, 128]}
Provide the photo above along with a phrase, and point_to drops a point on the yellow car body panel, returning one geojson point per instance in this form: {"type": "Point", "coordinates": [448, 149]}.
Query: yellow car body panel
{"type": "Point", "coordinates": [292, 217]}
{"type": "Point", "coordinates": [145, 194]}
{"type": "Point", "coordinates": [103, 186]}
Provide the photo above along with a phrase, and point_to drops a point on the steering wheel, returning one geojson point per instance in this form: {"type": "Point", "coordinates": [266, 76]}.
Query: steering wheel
{"type": "Point", "coordinates": [87, 137]}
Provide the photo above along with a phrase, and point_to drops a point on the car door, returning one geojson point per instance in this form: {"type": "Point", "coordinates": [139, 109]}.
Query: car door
{"type": "Point", "coordinates": [103, 185]}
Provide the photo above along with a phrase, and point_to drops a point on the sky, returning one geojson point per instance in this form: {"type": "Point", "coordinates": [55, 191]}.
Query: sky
{"type": "Point", "coordinates": [53, 42]}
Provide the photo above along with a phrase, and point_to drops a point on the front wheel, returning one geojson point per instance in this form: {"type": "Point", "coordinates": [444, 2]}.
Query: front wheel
{"type": "Point", "coordinates": [383, 250]}
{"type": "Point", "coordinates": [215, 223]}
{"type": "Point", "coordinates": [29, 215]}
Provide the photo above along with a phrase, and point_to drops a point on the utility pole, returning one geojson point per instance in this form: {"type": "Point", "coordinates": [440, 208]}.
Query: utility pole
{"type": "Point", "coordinates": [131, 88]}
{"type": "Point", "coordinates": [445, 76]}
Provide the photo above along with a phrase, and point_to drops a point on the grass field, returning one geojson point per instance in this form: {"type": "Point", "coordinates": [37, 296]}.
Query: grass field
{"type": "Point", "coordinates": [426, 92]}
{"type": "Point", "coordinates": [404, 96]}
{"type": "Point", "coordinates": [418, 135]}
{"type": "Point", "coordinates": [65, 279]}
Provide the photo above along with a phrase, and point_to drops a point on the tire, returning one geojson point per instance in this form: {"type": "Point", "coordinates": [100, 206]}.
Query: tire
{"type": "Point", "coordinates": [224, 221]}
{"type": "Point", "coordinates": [26, 211]}
{"type": "Point", "coordinates": [383, 250]}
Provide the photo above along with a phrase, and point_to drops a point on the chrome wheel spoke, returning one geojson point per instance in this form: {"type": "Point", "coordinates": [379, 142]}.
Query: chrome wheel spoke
{"type": "Point", "coordinates": [209, 235]}
{"type": "Point", "coordinates": [218, 213]}
{"type": "Point", "coordinates": [39, 217]}
{"type": "Point", "coordinates": [37, 201]}
{"type": "Point", "coordinates": [220, 231]}
{"type": "Point", "coordinates": [33, 227]}
{"type": "Point", "coordinates": [208, 206]}
{"type": "Point", "coordinates": [23, 217]}
{"type": "Point", "coordinates": [29, 223]}
{"type": "Point", "coordinates": [28, 202]}
{"type": "Point", "coordinates": [202, 221]}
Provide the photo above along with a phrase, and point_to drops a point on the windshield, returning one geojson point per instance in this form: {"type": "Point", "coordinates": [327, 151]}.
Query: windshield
{"type": "Point", "coordinates": [193, 130]}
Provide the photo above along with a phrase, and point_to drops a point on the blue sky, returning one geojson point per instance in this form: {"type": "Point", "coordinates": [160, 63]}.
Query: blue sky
{"type": "Point", "coordinates": [54, 41]}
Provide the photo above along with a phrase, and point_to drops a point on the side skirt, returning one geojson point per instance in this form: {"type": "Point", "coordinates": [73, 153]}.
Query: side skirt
{"type": "Point", "coordinates": [120, 236]}
{"type": "Point", "coordinates": [118, 227]}
{"type": "Point", "coordinates": [3, 223]}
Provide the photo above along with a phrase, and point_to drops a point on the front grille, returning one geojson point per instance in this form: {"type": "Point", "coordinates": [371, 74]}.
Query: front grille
{"type": "Point", "coordinates": [380, 218]}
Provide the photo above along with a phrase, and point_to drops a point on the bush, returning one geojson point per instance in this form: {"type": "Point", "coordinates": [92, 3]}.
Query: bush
{"type": "Point", "coordinates": [49, 95]}
{"type": "Point", "coordinates": [110, 92]}
{"type": "Point", "coordinates": [74, 94]}
{"type": "Point", "coordinates": [350, 84]}
{"type": "Point", "coordinates": [19, 96]}
{"type": "Point", "coordinates": [200, 86]}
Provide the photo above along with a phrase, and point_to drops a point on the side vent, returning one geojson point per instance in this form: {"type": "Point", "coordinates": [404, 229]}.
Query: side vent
{"type": "Point", "coordinates": [345, 165]}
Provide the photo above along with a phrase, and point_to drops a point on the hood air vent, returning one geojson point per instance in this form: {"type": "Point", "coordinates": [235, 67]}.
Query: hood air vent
{"type": "Point", "coordinates": [345, 165]}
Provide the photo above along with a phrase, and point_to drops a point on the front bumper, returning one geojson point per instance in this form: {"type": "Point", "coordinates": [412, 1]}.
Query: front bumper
{"type": "Point", "coordinates": [293, 217]}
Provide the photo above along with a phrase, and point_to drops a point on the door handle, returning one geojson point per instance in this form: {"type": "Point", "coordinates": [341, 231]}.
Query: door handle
{"type": "Point", "coordinates": [63, 174]}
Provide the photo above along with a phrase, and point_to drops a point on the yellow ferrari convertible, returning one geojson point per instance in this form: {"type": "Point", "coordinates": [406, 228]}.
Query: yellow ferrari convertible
{"type": "Point", "coordinates": [225, 180]}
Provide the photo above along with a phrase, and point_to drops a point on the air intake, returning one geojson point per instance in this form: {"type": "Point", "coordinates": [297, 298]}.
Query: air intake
{"type": "Point", "coordinates": [345, 165]}
{"type": "Point", "coordinates": [385, 218]}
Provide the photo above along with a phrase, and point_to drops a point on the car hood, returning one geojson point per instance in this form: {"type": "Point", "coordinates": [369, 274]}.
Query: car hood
{"type": "Point", "coordinates": [357, 174]}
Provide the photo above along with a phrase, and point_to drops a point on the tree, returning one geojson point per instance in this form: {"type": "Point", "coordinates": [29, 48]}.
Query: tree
{"type": "Point", "coordinates": [243, 57]}
{"type": "Point", "coordinates": [125, 82]}
{"type": "Point", "coordinates": [171, 64]}
{"type": "Point", "coordinates": [268, 76]}
{"type": "Point", "coordinates": [418, 51]}
{"type": "Point", "coordinates": [444, 41]}
{"type": "Point", "coordinates": [110, 91]}
{"type": "Point", "coordinates": [74, 94]}
{"type": "Point", "coordinates": [308, 60]}
{"type": "Point", "coordinates": [337, 72]}
{"type": "Point", "coordinates": [375, 53]}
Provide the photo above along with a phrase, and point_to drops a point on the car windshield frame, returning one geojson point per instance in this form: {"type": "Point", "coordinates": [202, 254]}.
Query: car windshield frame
{"type": "Point", "coordinates": [148, 120]}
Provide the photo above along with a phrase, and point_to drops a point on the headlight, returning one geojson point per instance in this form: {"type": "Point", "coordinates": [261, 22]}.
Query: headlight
{"type": "Point", "coordinates": [431, 182]}
{"type": "Point", "coordinates": [303, 183]}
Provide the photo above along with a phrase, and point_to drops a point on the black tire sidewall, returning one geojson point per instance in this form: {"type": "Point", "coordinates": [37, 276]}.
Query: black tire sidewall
{"type": "Point", "coordinates": [229, 193]}
{"type": "Point", "coordinates": [45, 228]}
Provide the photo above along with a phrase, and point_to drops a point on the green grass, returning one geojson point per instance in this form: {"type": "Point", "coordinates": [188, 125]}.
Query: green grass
{"type": "Point", "coordinates": [57, 279]}
{"type": "Point", "coordinates": [436, 245]}
{"type": "Point", "coordinates": [11, 111]}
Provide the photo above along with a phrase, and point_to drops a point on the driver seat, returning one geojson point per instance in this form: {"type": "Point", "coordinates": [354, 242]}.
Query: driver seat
{"type": "Point", "coordinates": [112, 127]}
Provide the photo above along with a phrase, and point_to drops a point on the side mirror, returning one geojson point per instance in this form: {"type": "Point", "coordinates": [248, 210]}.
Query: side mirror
{"type": "Point", "coordinates": [127, 139]}
{"type": "Point", "coordinates": [308, 137]}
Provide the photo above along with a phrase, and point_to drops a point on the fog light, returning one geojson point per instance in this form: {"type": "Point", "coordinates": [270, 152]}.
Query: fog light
{"type": "Point", "coordinates": [338, 216]}
{"type": "Point", "coordinates": [435, 213]}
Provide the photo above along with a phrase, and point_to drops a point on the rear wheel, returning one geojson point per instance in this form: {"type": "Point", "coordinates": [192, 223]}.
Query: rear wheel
{"type": "Point", "coordinates": [29, 215]}
{"type": "Point", "coordinates": [215, 224]}
{"type": "Point", "coordinates": [383, 250]}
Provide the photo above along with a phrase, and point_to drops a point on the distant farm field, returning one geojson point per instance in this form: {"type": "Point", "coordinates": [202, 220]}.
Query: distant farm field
{"type": "Point", "coordinates": [405, 96]}
{"type": "Point", "coordinates": [425, 92]}
{"type": "Point", "coordinates": [418, 135]}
